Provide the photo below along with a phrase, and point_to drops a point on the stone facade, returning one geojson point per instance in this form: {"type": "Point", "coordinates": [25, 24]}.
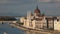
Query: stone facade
{"type": "Point", "coordinates": [37, 20]}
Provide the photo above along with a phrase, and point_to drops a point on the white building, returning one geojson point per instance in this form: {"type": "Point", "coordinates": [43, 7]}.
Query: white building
{"type": "Point", "coordinates": [57, 24]}
{"type": "Point", "coordinates": [50, 22]}
{"type": "Point", "coordinates": [35, 20]}
{"type": "Point", "coordinates": [40, 21]}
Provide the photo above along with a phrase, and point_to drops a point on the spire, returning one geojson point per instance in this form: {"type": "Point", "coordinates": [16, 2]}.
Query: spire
{"type": "Point", "coordinates": [37, 7]}
{"type": "Point", "coordinates": [36, 4]}
{"type": "Point", "coordinates": [43, 14]}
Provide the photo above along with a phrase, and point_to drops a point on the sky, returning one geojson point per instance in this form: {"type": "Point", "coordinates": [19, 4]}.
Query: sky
{"type": "Point", "coordinates": [20, 7]}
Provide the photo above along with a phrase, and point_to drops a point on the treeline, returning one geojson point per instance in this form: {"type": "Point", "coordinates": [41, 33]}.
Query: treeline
{"type": "Point", "coordinates": [7, 18]}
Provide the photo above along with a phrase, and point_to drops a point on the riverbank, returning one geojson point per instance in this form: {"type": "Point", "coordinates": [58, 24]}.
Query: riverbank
{"type": "Point", "coordinates": [26, 29]}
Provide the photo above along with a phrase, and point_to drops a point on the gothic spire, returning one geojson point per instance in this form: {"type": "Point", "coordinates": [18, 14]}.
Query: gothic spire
{"type": "Point", "coordinates": [36, 4]}
{"type": "Point", "coordinates": [37, 9]}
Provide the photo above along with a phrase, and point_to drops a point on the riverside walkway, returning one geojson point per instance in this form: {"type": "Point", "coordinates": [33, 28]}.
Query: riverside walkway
{"type": "Point", "coordinates": [26, 29]}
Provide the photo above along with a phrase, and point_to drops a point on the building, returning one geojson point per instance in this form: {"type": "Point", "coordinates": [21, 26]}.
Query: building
{"type": "Point", "coordinates": [50, 22]}
{"type": "Point", "coordinates": [40, 21]}
{"type": "Point", "coordinates": [57, 24]}
{"type": "Point", "coordinates": [35, 20]}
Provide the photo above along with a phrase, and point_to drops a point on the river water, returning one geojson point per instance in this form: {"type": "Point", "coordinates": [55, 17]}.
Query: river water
{"type": "Point", "coordinates": [7, 28]}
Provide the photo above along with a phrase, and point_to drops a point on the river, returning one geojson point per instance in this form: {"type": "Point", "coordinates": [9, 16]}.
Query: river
{"type": "Point", "coordinates": [10, 30]}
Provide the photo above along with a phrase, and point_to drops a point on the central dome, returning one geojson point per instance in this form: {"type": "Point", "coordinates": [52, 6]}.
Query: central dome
{"type": "Point", "coordinates": [37, 10]}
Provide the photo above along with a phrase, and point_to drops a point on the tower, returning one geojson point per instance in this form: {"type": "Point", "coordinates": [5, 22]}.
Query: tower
{"type": "Point", "coordinates": [29, 15]}
{"type": "Point", "coordinates": [37, 11]}
{"type": "Point", "coordinates": [28, 19]}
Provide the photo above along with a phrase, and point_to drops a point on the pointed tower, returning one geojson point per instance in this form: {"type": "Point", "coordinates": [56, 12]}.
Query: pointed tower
{"type": "Point", "coordinates": [37, 11]}
{"type": "Point", "coordinates": [28, 14]}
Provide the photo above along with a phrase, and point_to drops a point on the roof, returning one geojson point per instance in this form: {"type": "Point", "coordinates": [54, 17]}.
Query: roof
{"type": "Point", "coordinates": [37, 10]}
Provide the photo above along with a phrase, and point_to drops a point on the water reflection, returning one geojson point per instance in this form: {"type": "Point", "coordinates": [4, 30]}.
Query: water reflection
{"type": "Point", "coordinates": [34, 32]}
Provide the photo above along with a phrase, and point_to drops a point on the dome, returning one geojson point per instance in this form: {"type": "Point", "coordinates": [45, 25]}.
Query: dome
{"type": "Point", "coordinates": [37, 10]}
